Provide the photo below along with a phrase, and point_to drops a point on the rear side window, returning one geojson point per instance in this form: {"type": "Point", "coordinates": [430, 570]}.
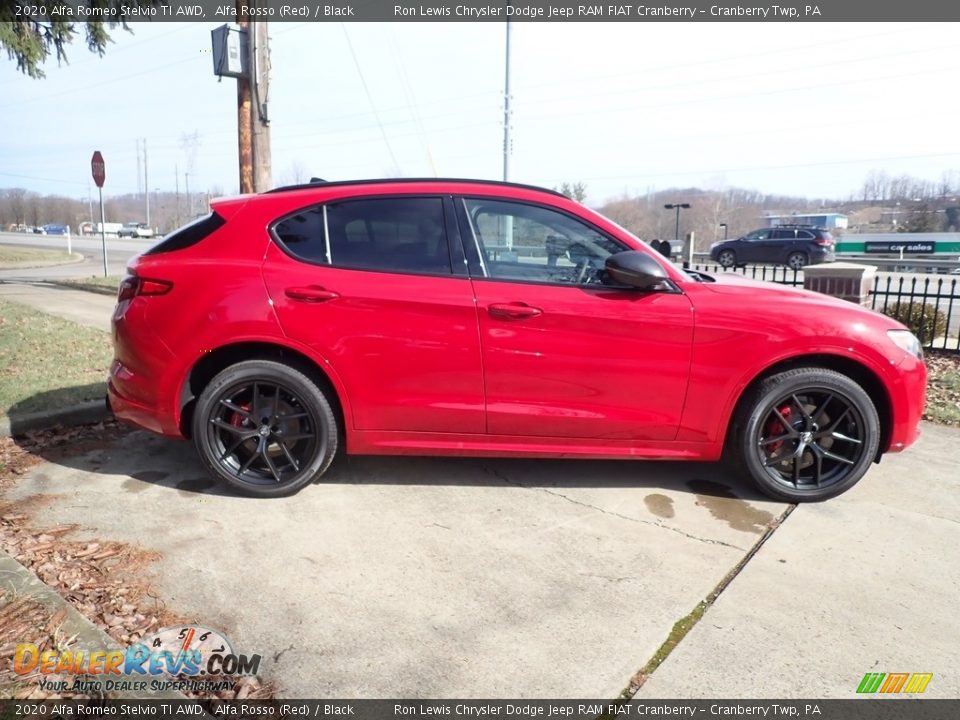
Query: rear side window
{"type": "Point", "coordinates": [805, 235]}
{"type": "Point", "coordinates": [188, 235]}
{"type": "Point", "coordinates": [403, 234]}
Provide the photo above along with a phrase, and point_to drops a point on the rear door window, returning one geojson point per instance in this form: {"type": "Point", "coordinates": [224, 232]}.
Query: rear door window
{"type": "Point", "coordinates": [398, 234]}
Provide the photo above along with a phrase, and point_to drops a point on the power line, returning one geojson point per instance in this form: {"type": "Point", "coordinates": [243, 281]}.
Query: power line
{"type": "Point", "coordinates": [366, 89]}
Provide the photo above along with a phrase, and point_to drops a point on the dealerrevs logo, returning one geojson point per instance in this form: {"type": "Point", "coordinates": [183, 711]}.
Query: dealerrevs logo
{"type": "Point", "coordinates": [187, 650]}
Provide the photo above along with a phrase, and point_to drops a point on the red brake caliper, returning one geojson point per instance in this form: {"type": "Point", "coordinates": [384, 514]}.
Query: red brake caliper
{"type": "Point", "coordinates": [237, 419]}
{"type": "Point", "coordinates": [775, 427]}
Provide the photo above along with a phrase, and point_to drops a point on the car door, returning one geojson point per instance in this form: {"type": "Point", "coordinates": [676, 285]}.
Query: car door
{"type": "Point", "coordinates": [755, 247]}
{"type": "Point", "coordinates": [565, 355]}
{"type": "Point", "coordinates": [780, 244]}
{"type": "Point", "coordinates": [368, 284]}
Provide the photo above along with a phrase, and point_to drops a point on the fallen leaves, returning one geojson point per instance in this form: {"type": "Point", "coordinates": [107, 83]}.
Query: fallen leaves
{"type": "Point", "coordinates": [107, 582]}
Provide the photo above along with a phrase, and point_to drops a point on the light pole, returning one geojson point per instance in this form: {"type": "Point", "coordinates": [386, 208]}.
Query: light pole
{"type": "Point", "coordinates": [678, 207]}
{"type": "Point", "coordinates": [724, 226]}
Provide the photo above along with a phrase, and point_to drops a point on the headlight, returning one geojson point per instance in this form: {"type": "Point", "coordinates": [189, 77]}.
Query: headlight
{"type": "Point", "coordinates": [906, 341]}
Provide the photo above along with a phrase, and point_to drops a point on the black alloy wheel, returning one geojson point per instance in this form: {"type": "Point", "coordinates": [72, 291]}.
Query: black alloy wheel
{"type": "Point", "coordinates": [265, 428]}
{"type": "Point", "coordinates": [810, 434]}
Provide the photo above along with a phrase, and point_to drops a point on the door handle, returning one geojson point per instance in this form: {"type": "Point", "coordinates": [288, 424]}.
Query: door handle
{"type": "Point", "coordinates": [311, 294]}
{"type": "Point", "coordinates": [513, 311]}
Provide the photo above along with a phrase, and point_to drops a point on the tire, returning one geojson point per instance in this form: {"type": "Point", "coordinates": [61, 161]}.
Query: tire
{"type": "Point", "coordinates": [806, 435]}
{"type": "Point", "coordinates": [727, 258]}
{"type": "Point", "coordinates": [797, 260]}
{"type": "Point", "coordinates": [265, 428]}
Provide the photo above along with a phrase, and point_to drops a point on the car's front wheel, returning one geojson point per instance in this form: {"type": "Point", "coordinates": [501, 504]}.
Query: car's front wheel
{"type": "Point", "coordinates": [265, 428]}
{"type": "Point", "coordinates": [807, 434]}
{"type": "Point", "coordinates": [727, 258]}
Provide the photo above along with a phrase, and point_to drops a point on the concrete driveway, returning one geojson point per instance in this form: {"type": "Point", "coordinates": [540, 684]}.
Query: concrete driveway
{"type": "Point", "coordinates": [402, 577]}
{"type": "Point", "coordinates": [414, 577]}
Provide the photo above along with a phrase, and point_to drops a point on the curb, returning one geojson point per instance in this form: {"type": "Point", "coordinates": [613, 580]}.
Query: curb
{"type": "Point", "coordinates": [95, 289]}
{"type": "Point", "coordinates": [88, 412]}
{"type": "Point", "coordinates": [22, 582]}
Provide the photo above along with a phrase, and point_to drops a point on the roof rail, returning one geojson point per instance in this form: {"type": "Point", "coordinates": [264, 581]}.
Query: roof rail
{"type": "Point", "coordinates": [315, 182]}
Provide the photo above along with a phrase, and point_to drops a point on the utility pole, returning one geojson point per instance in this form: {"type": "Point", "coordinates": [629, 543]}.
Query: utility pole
{"type": "Point", "coordinates": [176, 189]}
{"type": "Point", "coordinates": [186, 180]}
{"type": "Point", "coordinates": [259, 65]}
{"type": "Point", "coordinates": [506, 111]}
{"type": "Point", "coordinates": [139, 175]}
{"type": "Point", "coordinates": [508, 220]}
{"type": "Point", "coordinates": [146, 182]}
{"type": "Point", "coordinates": [244, 108]}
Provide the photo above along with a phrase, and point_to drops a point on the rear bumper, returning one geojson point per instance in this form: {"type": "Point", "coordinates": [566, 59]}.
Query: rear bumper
{"type": "Point", "coordinates": [141, 386]}
{"type": "Point", "coordinates": [141, 414]}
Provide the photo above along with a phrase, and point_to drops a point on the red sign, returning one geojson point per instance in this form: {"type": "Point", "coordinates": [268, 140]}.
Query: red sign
{"type": "Point", "coordinates": [98, 168]}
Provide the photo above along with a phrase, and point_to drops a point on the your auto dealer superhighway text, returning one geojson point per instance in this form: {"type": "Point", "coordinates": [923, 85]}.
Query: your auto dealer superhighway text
{"type": "Point", "coordinates": [609, 11]}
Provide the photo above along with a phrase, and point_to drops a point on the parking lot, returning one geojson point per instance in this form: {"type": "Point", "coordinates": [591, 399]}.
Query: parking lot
{"type": "Point", "coordinates": [402, 577]}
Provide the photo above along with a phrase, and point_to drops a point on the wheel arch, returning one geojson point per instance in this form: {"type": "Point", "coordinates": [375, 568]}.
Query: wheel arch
{"type": "Point", "coordinates": [857, 371]}
{"type": "Point", "coordinates": [215, 361]}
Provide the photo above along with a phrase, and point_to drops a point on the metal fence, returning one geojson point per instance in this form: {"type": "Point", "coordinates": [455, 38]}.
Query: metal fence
{"type": "Point", "coordinates": [930, 306]}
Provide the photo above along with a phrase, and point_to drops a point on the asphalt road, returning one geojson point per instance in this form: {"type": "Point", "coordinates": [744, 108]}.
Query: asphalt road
{"type": "Point", "coordinates": [119, 253]}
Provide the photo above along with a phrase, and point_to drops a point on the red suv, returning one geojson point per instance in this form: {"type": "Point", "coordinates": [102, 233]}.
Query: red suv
{"type": "Point", "coordinates": [448, 317]}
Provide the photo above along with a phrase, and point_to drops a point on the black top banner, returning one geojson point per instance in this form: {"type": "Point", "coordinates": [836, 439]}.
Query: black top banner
{"type": "Point", "coordinates": [476, 11]}
{"type": "Point", "coordinates": [862, 709]}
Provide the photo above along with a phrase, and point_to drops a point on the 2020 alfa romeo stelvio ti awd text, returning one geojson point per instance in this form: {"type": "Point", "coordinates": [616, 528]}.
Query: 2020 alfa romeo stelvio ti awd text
{"type": "Point", "coordinates": [471, 318]}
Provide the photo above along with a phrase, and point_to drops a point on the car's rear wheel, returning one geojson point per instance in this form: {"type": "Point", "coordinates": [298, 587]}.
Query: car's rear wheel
{"type": "Point", "coordinates": [265, 428]}
{"type": "Point", "coordinates": [727, 258]}
{"type": "Point", "coordinates": [797, 260]}
{"type": "Point", "coordinates": [807, 434]}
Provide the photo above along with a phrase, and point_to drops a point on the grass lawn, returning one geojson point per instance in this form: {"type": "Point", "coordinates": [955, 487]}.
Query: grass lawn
{"type": "Point", "coordinates": [16, 256]}
{"type": "Point", "coordinates": [47, 362]}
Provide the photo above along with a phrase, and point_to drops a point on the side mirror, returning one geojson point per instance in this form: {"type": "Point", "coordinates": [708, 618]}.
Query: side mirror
{"type": "Point", "coordinates": [636, 269]}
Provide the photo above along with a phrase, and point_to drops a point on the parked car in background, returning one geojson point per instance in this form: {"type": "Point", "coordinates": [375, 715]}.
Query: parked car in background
{"type": "Point", "coordinates": [792, 245]}
{"type": "Point", "coordinates": [135, 230]}
{"type": "Point", "coordinates": [385, 318]}
{"type": "Point", "coordinates": [56, 229]}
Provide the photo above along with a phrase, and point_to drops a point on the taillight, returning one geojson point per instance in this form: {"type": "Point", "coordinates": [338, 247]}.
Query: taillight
{"type": "Point", "coordinates": [824, 241]}
{"type": "Point", "coordinates": [154, 287]}
{"type": "Point", "coordinates": [131, 286]}
{"type": "Point", "coordinates": [128, 288]}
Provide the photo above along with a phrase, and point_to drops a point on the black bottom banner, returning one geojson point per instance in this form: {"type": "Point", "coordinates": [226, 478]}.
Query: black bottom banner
{"type": "Point", "coordinates": [901, 708]}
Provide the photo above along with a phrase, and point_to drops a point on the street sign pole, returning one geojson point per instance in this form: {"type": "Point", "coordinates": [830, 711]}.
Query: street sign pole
{"type": "Point", "coordinates": [103, 233]}
{"type": "Point", "coordinates": [98, 169]}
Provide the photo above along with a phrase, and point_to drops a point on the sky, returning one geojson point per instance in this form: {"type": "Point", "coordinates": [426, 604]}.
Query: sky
{"type": "Point", "coordinates": [787, 108]}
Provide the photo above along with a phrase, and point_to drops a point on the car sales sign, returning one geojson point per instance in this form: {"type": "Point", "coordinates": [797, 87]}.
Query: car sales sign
{"type": "Point", "coordinates": [914, 248]}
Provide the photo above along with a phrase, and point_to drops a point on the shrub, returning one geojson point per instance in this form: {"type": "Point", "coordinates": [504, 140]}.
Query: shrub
{"type": "Point", "coordinates": [923, 319]}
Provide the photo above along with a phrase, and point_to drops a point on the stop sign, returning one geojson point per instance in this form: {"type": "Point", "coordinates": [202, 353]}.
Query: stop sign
{"type": "Point", "coordinates": [98, 168]}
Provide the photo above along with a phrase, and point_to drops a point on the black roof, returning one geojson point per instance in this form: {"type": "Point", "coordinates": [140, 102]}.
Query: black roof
{"type": "Point", "coordinates": [318, 182]}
